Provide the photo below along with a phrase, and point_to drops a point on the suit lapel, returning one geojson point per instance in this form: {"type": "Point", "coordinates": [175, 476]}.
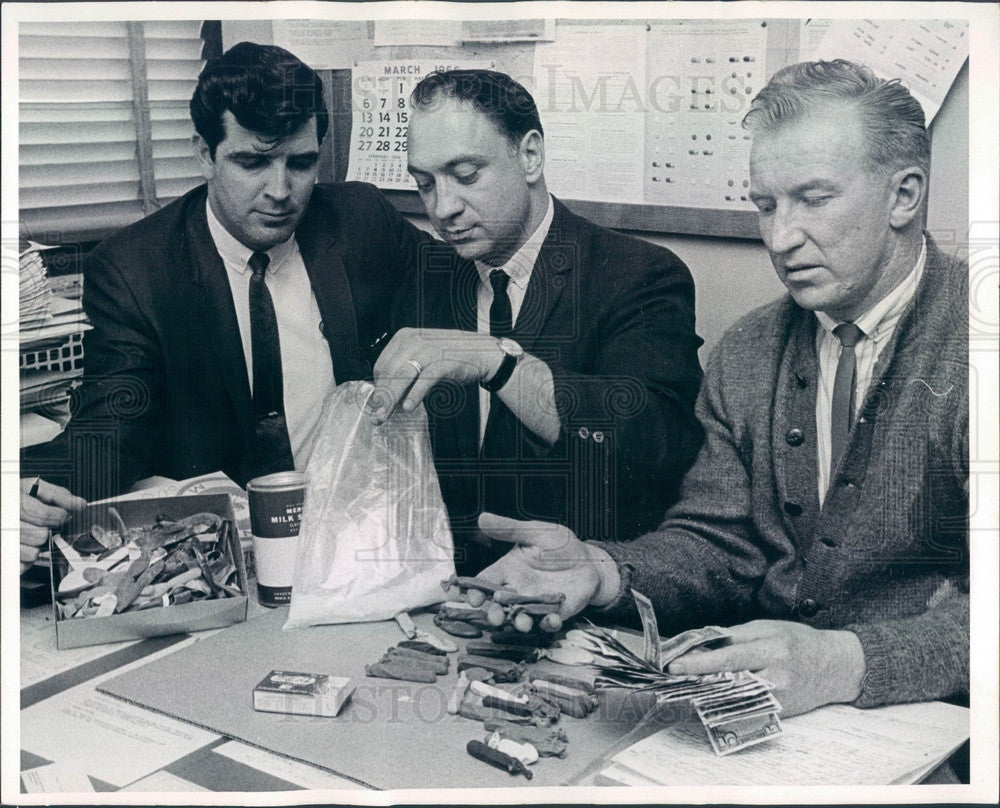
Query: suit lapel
{"type": "Point", "coordinates": [213, 305]}
{"type": "Point", "coordinates": [555, 269]}
{"type": "Point", "coordinates": [328, 278]}
{"type": "Point", "coordinates": [458, 308]}
{"type": "Point", "coordinates": [795, 454]}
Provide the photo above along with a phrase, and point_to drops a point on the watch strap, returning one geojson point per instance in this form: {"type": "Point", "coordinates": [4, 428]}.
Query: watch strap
{"type": "Point", "coordinates": [503, 374]}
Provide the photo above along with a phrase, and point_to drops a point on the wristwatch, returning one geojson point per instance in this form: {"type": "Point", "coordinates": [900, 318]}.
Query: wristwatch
{"type": "Point", "coordinates": [512, 353]}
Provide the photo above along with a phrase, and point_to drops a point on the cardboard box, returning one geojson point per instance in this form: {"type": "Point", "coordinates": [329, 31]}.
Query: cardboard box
{"type": "Point", "coordinates": [302, 693]}
{"type": "Point", "coordinates": [175, 619]}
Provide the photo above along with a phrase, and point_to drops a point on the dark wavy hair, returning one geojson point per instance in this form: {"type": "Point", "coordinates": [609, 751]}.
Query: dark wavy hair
{"type": "Point", "coordinates": [501, 99]}
{"type": "Point", "coordinates": [270, 91]}
{"type": "Point", "coordinates": [891, 117]}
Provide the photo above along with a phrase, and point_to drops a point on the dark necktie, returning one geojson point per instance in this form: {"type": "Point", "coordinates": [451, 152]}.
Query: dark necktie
{"type": "Point", "coordinates": [842, 408]}
{"type": "Point", "coordinates": [496, 443]}
{"type": "Point", "coordinates": [501, 317]}
{"type": "Point", "coordinates": [273, 448]}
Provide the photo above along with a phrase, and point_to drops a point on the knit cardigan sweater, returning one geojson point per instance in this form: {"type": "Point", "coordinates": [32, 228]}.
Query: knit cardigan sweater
{"type": "Point", "coordinates": [886, 556]}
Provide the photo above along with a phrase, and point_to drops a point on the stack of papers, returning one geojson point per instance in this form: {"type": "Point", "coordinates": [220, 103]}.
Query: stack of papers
{"type": "Point", "coordinates": [49, 333]}
{"type": "Point", "coordinates": [35, 292]}
{"type": "Point", "coordinates": [44, 388]}
{"type": "Point", "coordinates": [63, 318]}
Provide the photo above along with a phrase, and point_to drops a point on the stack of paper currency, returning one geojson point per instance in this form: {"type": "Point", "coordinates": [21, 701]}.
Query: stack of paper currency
{"type": "Point", "coordinates": [737, 708]}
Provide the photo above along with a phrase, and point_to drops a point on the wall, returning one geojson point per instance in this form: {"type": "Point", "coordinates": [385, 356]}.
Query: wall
{"type": "Point", "coordinates": [734, 276]}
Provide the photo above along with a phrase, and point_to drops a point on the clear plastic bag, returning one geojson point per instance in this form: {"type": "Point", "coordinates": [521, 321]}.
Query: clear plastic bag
{"type": "Point", "coordinates": [374, 538]}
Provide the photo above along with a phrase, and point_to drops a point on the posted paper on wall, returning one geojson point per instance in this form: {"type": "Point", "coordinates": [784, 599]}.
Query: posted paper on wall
{"type": "Point", "coordinates": [323, 44]}
{"type": "Point", "coordinates": [589, 88]}
{"type": "Point", "coordinates": [925, 55]}
{"type": "Point", "coordinates": [702, 75]}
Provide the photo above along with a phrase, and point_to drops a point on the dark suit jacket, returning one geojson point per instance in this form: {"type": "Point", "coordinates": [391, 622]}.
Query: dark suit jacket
{"type": "Point", "coordinates": [613, 317]}
{"type": "Point", "coordinates": [166, 389]}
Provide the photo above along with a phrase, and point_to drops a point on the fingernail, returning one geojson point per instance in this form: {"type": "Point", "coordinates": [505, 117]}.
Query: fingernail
{"type": "Point", "coordinates": [407, 406]}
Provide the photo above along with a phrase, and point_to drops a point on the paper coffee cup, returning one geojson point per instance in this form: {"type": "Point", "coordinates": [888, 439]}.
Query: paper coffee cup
{"type": "Point", "coordinates": [275, 512]}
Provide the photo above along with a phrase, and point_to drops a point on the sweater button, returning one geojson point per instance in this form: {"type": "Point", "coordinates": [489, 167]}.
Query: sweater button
{"type": "Point", "coordinates": [794, 437]}
{"type": "Point", "coordinates": [793, 509]}
{"type": "Point", "coordinates": [808, 608]}
{"type": "Point", "coordinates": [583, 432]}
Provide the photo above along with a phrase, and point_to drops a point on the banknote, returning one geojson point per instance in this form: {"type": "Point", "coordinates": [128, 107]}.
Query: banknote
{"type": "Point", "coordinates": [718, 715]}
{"type": "Point", "coordinates": [650, 630]}
{"type": "Point", "coordinates": [682, 643]}
{"type": "Point", "coordinates": [731, 736]}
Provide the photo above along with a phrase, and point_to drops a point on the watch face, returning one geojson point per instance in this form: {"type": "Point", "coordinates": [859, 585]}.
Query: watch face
{"type": "Point", "coordinates": [511, 348]}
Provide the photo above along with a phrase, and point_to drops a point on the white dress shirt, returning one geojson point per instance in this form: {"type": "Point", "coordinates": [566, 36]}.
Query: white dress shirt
{"type": "Point", "coordinates": [877, 325]}
{"type": "Point", "coordinates": [306, 369]}
{"type": "Point", "coordinates": [518, 267]}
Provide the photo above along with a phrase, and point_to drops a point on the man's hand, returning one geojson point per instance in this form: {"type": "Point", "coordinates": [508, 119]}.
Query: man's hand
{"type": "Point", "coordinates": [48, 508]}
{"type": "Point", "coordinates": [417, 359]}
{"type": "Point", "coordinates": [549, 558]}
{"type": "Point", "coordinates": [809, 667]}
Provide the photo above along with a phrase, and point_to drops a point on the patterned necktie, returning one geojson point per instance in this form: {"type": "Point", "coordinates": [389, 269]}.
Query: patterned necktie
{"type": "Point", "coordinates": [495, 444]}
{"type": "Point", "coordinates": [273, 448]}
{"type": "Point", "coordinates": [842, 408]}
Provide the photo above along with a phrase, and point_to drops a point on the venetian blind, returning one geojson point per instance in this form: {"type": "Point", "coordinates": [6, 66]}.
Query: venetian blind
{"type": "Point", "coordinates": [104, 125]}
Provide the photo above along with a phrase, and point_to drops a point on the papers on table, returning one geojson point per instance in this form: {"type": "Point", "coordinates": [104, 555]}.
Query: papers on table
{"type": "Point", "coordinates": [44, 316]}
{"type": "Point", "coordinates": [88, 731]}
{"type": "Point", "coordinates": [163, 782]}
{"type": "Point", "coordinates": [835, 745]}
{"type": "Point", "coordinates": [56, 778]}
{"type": "Point", "coordinates": [40, 659]}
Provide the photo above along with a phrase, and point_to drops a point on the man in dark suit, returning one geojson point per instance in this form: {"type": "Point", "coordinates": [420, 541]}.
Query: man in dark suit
{"type": "Point", "coordinates": [177, 299]}
{"type": "Point", "coordinates": [558, 359]}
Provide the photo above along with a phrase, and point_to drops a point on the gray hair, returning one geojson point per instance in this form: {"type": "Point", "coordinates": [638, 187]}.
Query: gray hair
{"type": "Point", "coordinates": [890, 116]}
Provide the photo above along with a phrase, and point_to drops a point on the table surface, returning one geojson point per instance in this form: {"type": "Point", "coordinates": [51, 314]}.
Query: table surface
{"type": "Point", "coordinates": [223, 763]}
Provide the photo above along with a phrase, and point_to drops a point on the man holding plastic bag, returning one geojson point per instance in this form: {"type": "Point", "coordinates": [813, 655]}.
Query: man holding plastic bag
{"type": "Point", "coordinates": [557, 359]}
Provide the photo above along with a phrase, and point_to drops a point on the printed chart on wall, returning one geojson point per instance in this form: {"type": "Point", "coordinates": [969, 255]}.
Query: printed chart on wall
{"type": "Point", "coordinates": [702, 75]}
{"type": "Point", "coordinates": [675, 94]}
{"type": "Point", "coordinates": [380, 117]}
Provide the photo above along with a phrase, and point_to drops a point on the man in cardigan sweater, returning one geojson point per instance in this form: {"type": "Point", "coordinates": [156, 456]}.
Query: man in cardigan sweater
{"type": "Point", "coordinates": [852, 567]}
